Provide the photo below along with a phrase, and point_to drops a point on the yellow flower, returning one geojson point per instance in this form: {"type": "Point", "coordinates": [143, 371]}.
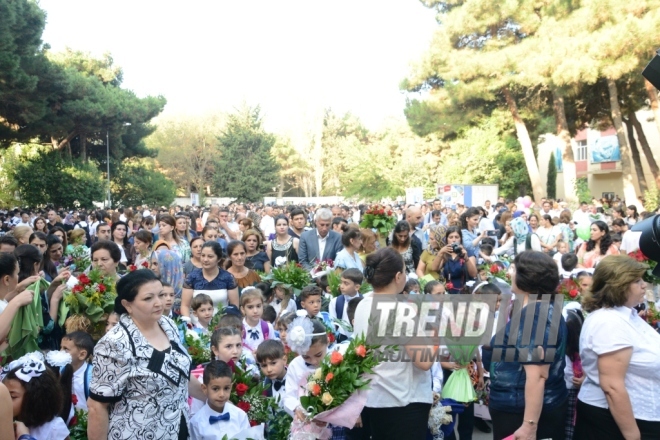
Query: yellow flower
{"type": "Point", "coordinates": [327, 398]}
{"type": "Point", "coordinates": [318, 374]}
{"type": "Point", "coordinates": [310, 385]}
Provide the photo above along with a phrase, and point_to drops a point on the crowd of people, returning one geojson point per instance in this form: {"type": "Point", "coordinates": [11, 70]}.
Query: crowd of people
{"type": "Point", "coordinates": [135, 380]}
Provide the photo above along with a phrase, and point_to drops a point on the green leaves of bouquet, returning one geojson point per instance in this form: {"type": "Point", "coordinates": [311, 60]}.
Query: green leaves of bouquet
{"type": "Point", "coordinates": [339, 376]}
{"type": "Point", "coordinates": [248, 394]}
{"type": "Point", "coordinates": [93, 296]}
{"type": "Point", "coordinates": [379, 218]}
{"type": "Point", "coordinates": [291, 276]}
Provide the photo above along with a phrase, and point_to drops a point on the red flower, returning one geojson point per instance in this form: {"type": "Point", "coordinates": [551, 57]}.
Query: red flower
{"type": "Point", "coordinates": [84, 279]}
{"type": "Point", "coordinates": [573, 293]}
{"type": "Point", "coordinates": [331, 338]}
{"type": "Point", "coordinates": [102, 288]}
{"type": "Point", "coordinates": [74, 421]}
{"type": "Point", "coordinates": [241, 389]}
{"type": "Point", "coordinates": [132, 268]}
{"type": "Point", "coordinates": [74, 399]}
{"type": "Point", "coordinates": [389, 213]}
{"type": "Point", "coordinates": [361, 351]}
{"type": "Point", "coordinates": [245, 406]}
{"type": "Point", "coordinates": [336, 358]}
{"type": "Point", "coordinates": [145, 264]}
{"type": "Point", "coordinates": [78, 288]}
{"type": "Point", "coordinates": [449, 285]}
{"type": "Point", "coordinates": [494, 269]}
{"type": "Point", "coordinates": [316, 389]}
{"type": "Point", "coordinates": [329, 377]}
{"type": "Point", "coordinates": [253, 423]}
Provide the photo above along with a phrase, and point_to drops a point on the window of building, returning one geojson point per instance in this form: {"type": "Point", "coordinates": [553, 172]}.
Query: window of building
{"type": "Point", "coordinates": [581, 151]}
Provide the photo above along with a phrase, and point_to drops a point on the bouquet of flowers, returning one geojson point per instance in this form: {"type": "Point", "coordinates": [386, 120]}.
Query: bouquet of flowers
{"type": "Point", "coordinates": [248, 394]}
{"type": "Point", "coordinates": [78, 425]}
{"type": "Point", "coordinates": [380, 219]}
{"type": "Point", "coordinates": [497, 269]}
{"type": "Point", "coordinates": [196, 342]}
{"type": "Point", "coordinates": [322, 268]}
{"type": "Point", "coordinates": [441, 416]}
{"type": "Point", "coordinates": [133, 267]}
{"type": "Point", "coordinates": [648, 275]}
{"type": "Point", "coordinates": [77, 258]}
{"type": "Point", "coordinates": [570, 290]}
{"type": "Point", "coordinates": [291, 276]}
{"type": "Point", "coordinates": [333, 390]}
{"type": "Point", "coordinates": [89, 301]}
{"type": "Point", "coordinates": [652, 315]}
{"type": "Point", "coordinates": [459, 385]}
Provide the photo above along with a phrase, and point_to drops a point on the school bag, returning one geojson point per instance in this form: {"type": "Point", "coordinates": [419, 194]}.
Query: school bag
{"type": "Point", "coordinates": [264, 330]}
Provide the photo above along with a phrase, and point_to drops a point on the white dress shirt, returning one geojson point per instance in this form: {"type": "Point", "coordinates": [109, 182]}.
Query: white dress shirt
{"type": "Point", "coordinates": [322, 242]}
{"type": "Point", "coordinates": [294, 386]}
{"type": "Point", "coordinates": [201, 429]}
{"type": "Point", "coordinates": [394, 384]}
{"type": "Point", "coordinates": [56, 429]}
{"type": "Point", "coordinates": [251, 343]}
{"type": "Point", "coordinates": [610, 329]}
{"type": "Point", "coordinates": [79, 386]}
{"type": "Point", "coordinates": [267, 225]}
{"type": "Point", "coordinates": [630, 241]}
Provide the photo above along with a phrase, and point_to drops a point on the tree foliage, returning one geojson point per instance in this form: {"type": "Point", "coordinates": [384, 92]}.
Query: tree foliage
{"type": "Point", "coordinates": [46, 178]}
{"type": "Point", "coordinates": [551, 185]}
{"type": "Point", "coordinates": [245, 168]}
{"type": "Point", "coordinates": [138, 183]}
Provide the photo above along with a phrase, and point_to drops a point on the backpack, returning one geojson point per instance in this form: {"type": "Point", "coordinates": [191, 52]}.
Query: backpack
{"type": "Point", "coordinates": [339, 305]}
{"type": "Point", "coordinates": [87, 379]}
{"type": "Point", "coordinates": [264, 330]}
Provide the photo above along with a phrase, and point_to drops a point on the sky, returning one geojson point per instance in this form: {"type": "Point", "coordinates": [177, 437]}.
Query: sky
{"type": "Point", "coordinates": [292, 57]}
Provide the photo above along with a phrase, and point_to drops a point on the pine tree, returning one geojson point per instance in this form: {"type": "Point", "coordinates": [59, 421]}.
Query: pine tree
{"type": "Point", "coordinates": [551, 185]}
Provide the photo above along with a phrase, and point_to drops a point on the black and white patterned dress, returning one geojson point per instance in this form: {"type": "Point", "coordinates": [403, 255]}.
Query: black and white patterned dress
{"type": "Point", "coordinates": [147, 389]}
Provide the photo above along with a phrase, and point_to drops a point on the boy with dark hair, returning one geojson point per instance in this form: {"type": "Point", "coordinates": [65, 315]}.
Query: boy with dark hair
{"type": "Point", "coordinates": [218, 417]}
{"type": "Point", "coordinates": [310, 300]}
{"type": "Point", "coordinates": [80, 346]}
{"type": "Point", "coordinates": [269, 314]}
{"type": "Point", "coordinates": [351, 280]}
{"type": "Point", "coordinates": [272, 360]}
{"type": "Point", "coordinates": [569, 262]}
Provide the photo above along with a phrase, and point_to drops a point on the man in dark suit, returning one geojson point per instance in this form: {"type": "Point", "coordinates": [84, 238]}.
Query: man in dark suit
{"type": "Point", "coordinates": [319, 243]}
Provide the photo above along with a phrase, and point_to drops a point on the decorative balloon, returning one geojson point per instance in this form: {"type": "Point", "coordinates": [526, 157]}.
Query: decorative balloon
{"type": "Point", "coordinates": [584, 232]}
{"type": "Point", "coordinates": [527, 201]}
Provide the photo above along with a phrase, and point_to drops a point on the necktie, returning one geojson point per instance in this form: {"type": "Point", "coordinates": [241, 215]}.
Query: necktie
{"type": "Point", "coordinates": [307, 364]}
{"type": "Point", "coordinates": [254, 334]}
{"type": "Point", "coordinates": [277, 385]}
{"type": "Point", "coordinates": [222, 417]}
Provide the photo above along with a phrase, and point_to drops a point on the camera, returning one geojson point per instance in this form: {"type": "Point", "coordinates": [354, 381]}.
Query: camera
{"type": "Point", "coordinates": [456, 248]}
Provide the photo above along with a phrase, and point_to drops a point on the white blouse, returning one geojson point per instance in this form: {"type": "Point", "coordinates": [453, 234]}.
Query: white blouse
{"type": "Point", "coordinates": [611, 329]}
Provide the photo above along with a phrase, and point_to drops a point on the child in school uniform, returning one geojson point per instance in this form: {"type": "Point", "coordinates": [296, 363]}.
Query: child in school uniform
{"type": "Point", "coordinates": [310, 301]}
{"type": "Point", "coordinates": [282, 301]}
{"type": "Point", "coordinates": [351, 280]}
{"type": "Point", "coordinates": [255, 329]}
{"type": "Point", "coordinates": [218, 417]}
{"type": "Point", "coordinates": [272, 361]}
{"type": "Point", "coordinates": [202, 309]}
{"type": "Point", "coordinates": [80, 346]}
{"type": "Point", "coordinates": [350, 315]}
{"type": "Point", "coordinates": [168, 301]}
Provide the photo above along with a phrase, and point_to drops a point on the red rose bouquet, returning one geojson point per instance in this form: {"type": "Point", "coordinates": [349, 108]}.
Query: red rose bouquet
{"type": "Point", "coordinates": [248, 394]}
{"type": "Point", "coordinates": [648, 275]}
{"type": "Point", "coordinates": [380, 219]}
{"type": "Point", "coordinates": [570, 290]}
{"type": "Point", "coordinates": [322, 268]}
{"type": "Point", "coordinates": [88, 302]}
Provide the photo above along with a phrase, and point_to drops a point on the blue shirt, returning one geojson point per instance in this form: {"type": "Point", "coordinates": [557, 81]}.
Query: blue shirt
{"type": "Point", "coordinates": [196, 281]}
{"type": "Point", "coordinates": [345, 261]}
{"type": "Point", "coordinates": [507, 379]}
{"type": "Point", "coordinates": [468, 238]}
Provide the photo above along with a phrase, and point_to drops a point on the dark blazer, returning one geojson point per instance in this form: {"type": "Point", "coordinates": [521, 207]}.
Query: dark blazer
{"type": "Point", "coordinates": [308, 249]}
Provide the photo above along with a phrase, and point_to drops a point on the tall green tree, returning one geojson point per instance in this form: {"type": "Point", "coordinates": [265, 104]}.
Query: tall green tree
{"type": "Point", "coordinates": [551, 185]}
{"type": "Point", "coordinates": [245, 168]}
{"type": "Point", "coordinates": [46, 177]}
{"type": "Point", "coordinates": [138, 183]}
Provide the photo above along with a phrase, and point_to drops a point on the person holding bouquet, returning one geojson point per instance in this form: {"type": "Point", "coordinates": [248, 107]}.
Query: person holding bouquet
{"type": "Point", "coordinates": [400, 394]}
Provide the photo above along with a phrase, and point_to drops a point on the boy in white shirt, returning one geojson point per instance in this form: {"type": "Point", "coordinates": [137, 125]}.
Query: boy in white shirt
{"type": "Point", "coordinates": [218, 417]}
{"type": "Point", "coordinates": [272, 360]}
{"type": "Point", "coordinates": [80, 346]}
{"type": "Point", "coordinates": [351, 280]}
{"type": "Point", "coordinates": [202, 309]}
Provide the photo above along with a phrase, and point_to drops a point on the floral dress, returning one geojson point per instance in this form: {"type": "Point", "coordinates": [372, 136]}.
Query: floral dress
{"type": "Point", "coordinates": [408, 259]}
{"type": "Point", "coordinates": [147, 389]}
{"type": "Point", "coordinates": [183, 249]}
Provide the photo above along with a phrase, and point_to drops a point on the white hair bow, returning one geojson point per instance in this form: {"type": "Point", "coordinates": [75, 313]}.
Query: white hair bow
{"type": "Point", "coordinates": [28, 366]}
{"type": "Point", "coordinates": [57, 358]}
{"type": "Point", "coordinates": [299, 334]}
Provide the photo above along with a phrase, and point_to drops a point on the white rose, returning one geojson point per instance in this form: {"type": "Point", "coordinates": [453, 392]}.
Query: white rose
{"type": "Point", "coordinates": [318, 374]}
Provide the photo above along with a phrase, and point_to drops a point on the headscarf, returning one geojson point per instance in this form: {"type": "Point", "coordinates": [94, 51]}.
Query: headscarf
{"type": "Point", "coordinates": [520, 229]}
{"type": "Point", "coordinates": [161, 243]}
{"type": "Point", "coordinates": [171, 272]}
{"type": "Point", "coordinates": [439, 233]}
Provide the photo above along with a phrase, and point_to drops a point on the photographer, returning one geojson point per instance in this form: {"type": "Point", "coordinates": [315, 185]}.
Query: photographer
{"type": "Point", "coordinates": [456, 266]}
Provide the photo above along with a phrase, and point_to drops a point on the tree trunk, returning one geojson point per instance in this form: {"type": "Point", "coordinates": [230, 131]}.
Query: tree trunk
{"type": "Point", "coordinates": [634, 151]}
{"type": "Point", "coordinates": [629, 193]}
{"type": "Point", "coordinates": [280, 191]}
{"type": "Point", "coordinates": [83, 146]}
{"type": "Point", "coordinates": [653, 100]}
{"type": "Point", "coordinates": [568, 161]}
{"type": "Point", "coordinates": [526, 144]}
{"type": "Point", "coordinates": [653, 165]}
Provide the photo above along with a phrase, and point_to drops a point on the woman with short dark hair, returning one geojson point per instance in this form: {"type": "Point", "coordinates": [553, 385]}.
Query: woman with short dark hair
{"type": "Point", "coordinates": [528, 396]}
{"type": "Point", "coordinates": [140, 364]}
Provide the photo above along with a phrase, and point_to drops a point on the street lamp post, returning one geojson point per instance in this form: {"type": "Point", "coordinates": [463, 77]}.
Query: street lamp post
{"type": "Point", "coordinates": [107, 143]}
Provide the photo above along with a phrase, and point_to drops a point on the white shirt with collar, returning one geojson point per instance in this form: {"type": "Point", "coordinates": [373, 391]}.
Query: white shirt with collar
{"type": "Point", "coordinates": [201, 428]}
{"type": "Point", "coordinates": [295, 381]}
{"type": "Point", "coordinates": [277, 305]}
{"type": "Point", "coordinates": [251, 343]}
{"type": "Point", "coordinates": [79, 386]}
{"type": "Point", "coordinates": [267, 225]}
{"type": "Point", "coordinates": [642, 380]}
{"type": "Point", "coordinates": [322, 243]}
{"type": "Point", "coordinates": [56, 429]}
